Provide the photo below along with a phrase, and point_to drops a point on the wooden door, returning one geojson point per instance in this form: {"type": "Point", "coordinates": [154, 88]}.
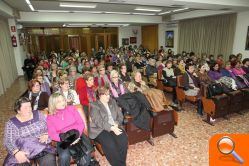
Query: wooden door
{"type": "Point", "coordinates": [150, 37]}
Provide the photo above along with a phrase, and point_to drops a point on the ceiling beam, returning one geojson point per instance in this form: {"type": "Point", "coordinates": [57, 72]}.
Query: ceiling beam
{"type": "Point", "coordinates": [37, 17]}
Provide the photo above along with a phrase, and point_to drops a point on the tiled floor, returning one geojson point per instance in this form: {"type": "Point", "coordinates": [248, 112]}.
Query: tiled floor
{"type": "Point", "coordinates": [190, 148]}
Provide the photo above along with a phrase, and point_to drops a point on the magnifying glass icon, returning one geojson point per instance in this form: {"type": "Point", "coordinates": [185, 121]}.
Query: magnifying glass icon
{"type": "Point", "coordinates": [226, 146]}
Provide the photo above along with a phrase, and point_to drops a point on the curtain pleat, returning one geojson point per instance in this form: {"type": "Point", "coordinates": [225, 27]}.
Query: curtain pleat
{"type": "Point", "coordinates": [210, 35]}
{"type": "Point", "coordinates": [8, 71]}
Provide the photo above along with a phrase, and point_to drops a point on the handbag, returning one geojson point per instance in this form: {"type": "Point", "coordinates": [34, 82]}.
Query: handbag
{"type": "Point", "coordinates": [214, 89]}
{"type": "Point", "coordinates": [81, 149]}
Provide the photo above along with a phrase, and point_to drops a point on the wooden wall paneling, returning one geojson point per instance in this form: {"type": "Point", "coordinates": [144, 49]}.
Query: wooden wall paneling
{"type": "Point", "coordinates": [106, 44]}
{"type": "Point", "coordinates": [84, 44]}
{"type": "Point", "coordinates": [42, 43]}
{"type": "Point", "coordinates": [73, 42]}
{"type": "Point", "coordinates": [89, 46]}
{"type": "Point", "coordinates": [150, 37]}
{"type": "Point", "coordinates": [65, 42]}
{"type": "Point", "coordinates": [101, 41]}
{"type": "Point", "coordinates": [114, 40]}
{"type": "Point", "coordinates": [61, 42]}
{"type": "Point", "coordinates": [57, 43]}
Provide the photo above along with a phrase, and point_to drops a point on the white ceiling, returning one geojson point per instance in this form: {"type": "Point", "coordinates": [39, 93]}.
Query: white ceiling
{"type": "Point", "coordinates": [129, 6]}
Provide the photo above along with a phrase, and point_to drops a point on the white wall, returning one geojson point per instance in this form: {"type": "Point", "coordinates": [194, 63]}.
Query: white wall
{"type": "Point", "coordinates": [19, 52]}
{"type": "Point", "coordinates": [127, 32]}
{"type": "Point", "coordinates": [162, 28]}
{"type": "Point", "coordinates": [240, 34]}
{"type": "Point", "coordinates": [5, 10]}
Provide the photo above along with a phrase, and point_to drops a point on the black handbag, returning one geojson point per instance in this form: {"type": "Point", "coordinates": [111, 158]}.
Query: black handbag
{"type": "Point", "coordinates": [80, 150]}
{"type": "Point", "coordinates": [214, 89]}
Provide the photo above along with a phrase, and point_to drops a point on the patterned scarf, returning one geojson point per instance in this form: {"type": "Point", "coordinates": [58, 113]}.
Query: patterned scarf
{"type": "Point", "coordinates": [35, 105]}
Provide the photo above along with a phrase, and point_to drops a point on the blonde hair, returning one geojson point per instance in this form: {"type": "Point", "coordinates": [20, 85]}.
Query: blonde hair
{"type": "Point", "coordinates": [113, 72]}
{"type": "Point", "coordinates": [53, 99]}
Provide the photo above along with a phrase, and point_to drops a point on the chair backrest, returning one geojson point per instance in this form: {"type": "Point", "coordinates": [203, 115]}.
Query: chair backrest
{"type": "Point", "coordinates": [159, 74]}
{"type": "Point", "coordinates": [179, 81]}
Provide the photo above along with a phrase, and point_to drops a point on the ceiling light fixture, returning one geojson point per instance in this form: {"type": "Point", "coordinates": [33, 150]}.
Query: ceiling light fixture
{"type": "Point", "coordinates": [148, 9]}
{"type": "Point", "coordinates": [79, 24]}
{"type": "Point", "coordinates": [54, 11]}
{"type": "Point", "coordinates": [78, 5]}
{"type": "Point", "coordinates": [177, 10]}
{"type": "Point", "coordinates": [119, 25]}
{"type": "Point", "coordinates": [94, 12]}
{"type": "Point", "coordinates": [117, 13]}
{"type": "Point", "coordinates": [146, 14]}
{"type": "Point", "coordinates": [30, 5]}
{"type": "Point", "coordinates": [164, 13]}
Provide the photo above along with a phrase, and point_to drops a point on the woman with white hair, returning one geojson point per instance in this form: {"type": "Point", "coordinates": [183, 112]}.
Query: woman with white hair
{"type": "Point", "coordinates": [116, 86]}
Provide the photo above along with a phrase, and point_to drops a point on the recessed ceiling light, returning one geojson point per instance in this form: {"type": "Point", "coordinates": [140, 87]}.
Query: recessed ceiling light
{"type": "Point", "coordinates": [78, 5]}
{"type": "Point", "coordinates": [118, 24]}
{"type": "Point", "coordinates": [28, 2]}
{"type": "Point", "coordinates": [117, 13]}
{"type": "Point", "coordinates": [177, 10]}
{"type": "Point", "coordinates": [146, 14]}
{"type": "Point", "coordinates": [148, 9]}
{"type": "Point", "coordinates": [164, 13]}
{"type": "Point", "coordinates": [94, 12]}
{"type": "Point", "coordinates": [30, 5]}
{"type": "Point", "coordinates": [54, 11]}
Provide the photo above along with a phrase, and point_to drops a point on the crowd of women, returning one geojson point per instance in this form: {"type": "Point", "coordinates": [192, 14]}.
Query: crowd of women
{"type": "Point", "coordinates": [72, 91]}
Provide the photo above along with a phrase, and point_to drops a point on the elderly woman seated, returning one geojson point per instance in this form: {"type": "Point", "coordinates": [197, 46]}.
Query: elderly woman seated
{"type": "Point", "coordinates": [106, 128]}
{"type": "Point", "coordinates": [137, 84]}
{"type": "Point", "coordinates": [191, 85]}
{"type": "Point", "coordinates": [116, 86]}
{"type": "Point", "coordinates": [151, 72]}
{"type": "Point", "coordinates": [102, 79]}
{"type": "Point", "coordinates": [70, 95]}
{"type": "Point", "coordinates": [39, 99]}
{"type": "Point", "coordinates": [26, 137]}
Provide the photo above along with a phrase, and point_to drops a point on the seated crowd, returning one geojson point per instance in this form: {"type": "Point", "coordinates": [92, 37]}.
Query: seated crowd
{"type": "Point", "coordinates": [75, 95]}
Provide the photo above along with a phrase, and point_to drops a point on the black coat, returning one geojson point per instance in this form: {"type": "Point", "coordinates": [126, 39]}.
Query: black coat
{"type": "Point", "coordinates": [137, 105]}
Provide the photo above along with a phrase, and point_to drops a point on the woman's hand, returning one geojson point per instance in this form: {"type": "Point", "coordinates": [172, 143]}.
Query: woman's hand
{"type": "Point", "coordinates": [116, 130]}
{"type": "Point", "coordinates": [43, 138]}
{"type": "Point", "coordinates": [194, 74]}
{"type": "Point", "coordinates": [21, 157]}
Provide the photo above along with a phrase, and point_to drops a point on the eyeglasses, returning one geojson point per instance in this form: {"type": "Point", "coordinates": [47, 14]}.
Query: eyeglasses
{"type": "Point", "coordinates": [107, 94]}
{"type": "Point", "coordinates": [115, 77]}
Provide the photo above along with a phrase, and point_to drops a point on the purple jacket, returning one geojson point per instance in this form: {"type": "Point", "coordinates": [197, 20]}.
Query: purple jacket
{"type": "Point", "coordinates": [214, 75]}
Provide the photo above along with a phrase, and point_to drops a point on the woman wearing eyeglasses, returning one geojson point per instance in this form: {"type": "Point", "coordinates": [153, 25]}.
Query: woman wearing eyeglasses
{"type": "Point", "coordinates": [106, 128]}
{"type": "Point", "coordinates": [39, 99]}
{"type": "Point", "coordinates": [102, 79]}
{"type": "Point", "coordinates": [116, 86]}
